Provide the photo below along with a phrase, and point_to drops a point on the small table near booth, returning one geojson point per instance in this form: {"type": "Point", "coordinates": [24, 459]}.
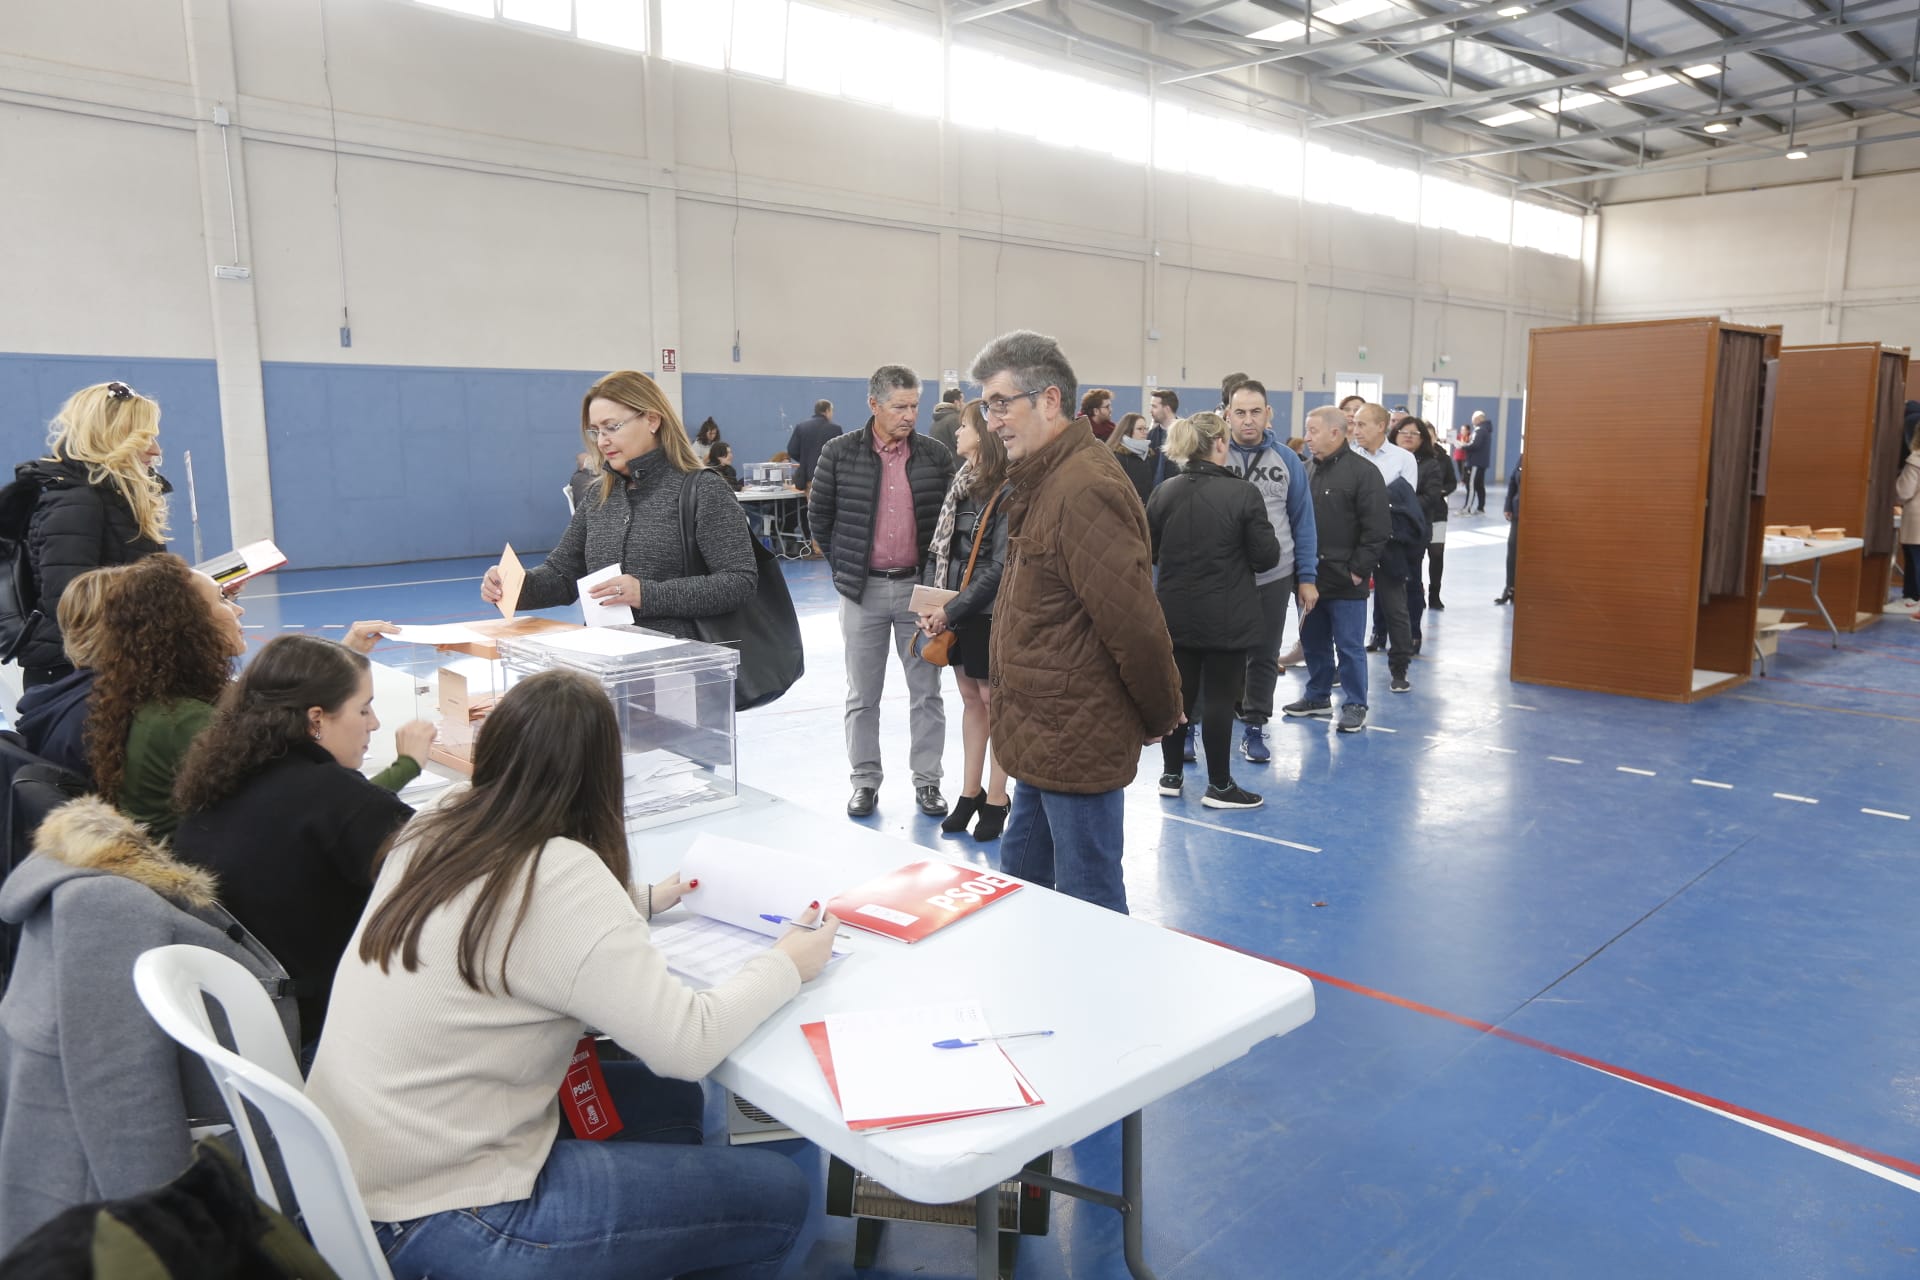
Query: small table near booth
{"type": "Point", "coordinates": [782, 508]}
{"type": "Point", "coordinates": [1774, 566]}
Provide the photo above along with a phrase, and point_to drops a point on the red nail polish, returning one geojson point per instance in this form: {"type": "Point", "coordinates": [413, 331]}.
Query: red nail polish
{"type": "Point", "coordinates": [814, 904]}
{"type": "Point", "coordinates": [693, 884]}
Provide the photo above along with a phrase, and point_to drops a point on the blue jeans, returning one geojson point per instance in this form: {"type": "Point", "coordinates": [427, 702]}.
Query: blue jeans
{"type": "Point", "coordinates": [1336, 626]}
{"type": "Point", "coordinates": [1078, 836]}
{"type": "Point", "coordinates": [652, 1202]}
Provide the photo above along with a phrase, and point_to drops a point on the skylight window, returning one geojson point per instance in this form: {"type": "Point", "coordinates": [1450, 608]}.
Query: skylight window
{"type": "Point", "coordinates": [1702, 71]}
{"type": "Point", "coordinates": [1632, 87]}
{"type": "Point", "coordinates": [1548, 230]}
{"type": "Point", "coordinates": [620, 23]}
{"type": "Point", "coordinates": [1572, 102]}
{"type": "Point", "coordinates": [1454, 206]}
{"type": "Point", "coordinates": [1507, 118]}
{"type": "Point", "coordinates": [1280, 31]}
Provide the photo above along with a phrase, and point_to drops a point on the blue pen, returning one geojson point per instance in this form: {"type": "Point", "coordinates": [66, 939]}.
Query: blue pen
{"type": "Point", "coordinates": [788, 920]}
{"type": "Point", "coordinates": [968, 1044]}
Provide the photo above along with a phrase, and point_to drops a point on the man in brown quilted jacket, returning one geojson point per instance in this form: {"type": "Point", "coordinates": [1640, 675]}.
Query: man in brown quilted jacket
{"type": "Point", "coordinates": [1081, 666]}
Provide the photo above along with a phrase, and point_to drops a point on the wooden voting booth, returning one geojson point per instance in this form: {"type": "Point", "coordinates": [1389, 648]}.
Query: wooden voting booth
{"type": "Point", "coordinates": [1836, 453]}
{"type": "Point", "coordinates": [1640, 524]}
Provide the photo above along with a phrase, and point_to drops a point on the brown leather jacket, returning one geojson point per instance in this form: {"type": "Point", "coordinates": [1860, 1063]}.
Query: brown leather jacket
{"type": "Point", "coordinates": [1082, 666]}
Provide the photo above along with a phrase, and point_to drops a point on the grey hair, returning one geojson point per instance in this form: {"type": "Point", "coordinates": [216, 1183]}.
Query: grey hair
{"type": "Point", "coordinates": [889, 378]}
{"type": "Point", "coordinates": [1035, 361]}
{"type": "Point", "coordinates": [1329, 415]}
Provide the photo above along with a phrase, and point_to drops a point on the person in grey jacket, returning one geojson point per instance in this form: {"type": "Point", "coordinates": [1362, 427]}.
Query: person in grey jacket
{"type": "Point", "coordinates": [875, 499]}
{"type": "Point", "coordinates": [95, 1099]}
{"type": "Point", "coordinates": [970, 517]}
{"type": "Point", "coordinates": [633, 519]}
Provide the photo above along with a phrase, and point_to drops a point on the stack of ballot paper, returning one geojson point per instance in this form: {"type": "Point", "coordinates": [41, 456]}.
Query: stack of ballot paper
{"type": "Point", "coordinates": [747, 895]}
{"type": "Point", "coordinates": [886, 1072]}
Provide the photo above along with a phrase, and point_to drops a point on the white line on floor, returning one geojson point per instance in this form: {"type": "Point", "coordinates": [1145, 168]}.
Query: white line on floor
{"type": "Point", "coordinates": [1505, 751]}
{"type": "Point", "coordinates": [1565, 760]}
{"type": "Point", "coordinates": [1234, 831]}
{"type": "Point", "coordinates": [1882, 813]}
{"type": "Point", "coordinates": [293, 626]}
{"type": "Point", "coordinates": [1380, 728]}
{"type": "Point", "coordinates": [1643, 773]}
{"type": "Point", "coordinates": [1723, 786]}
{"type": "Point", "coordinates": [256, 626]}
{"type": "Point", "coordinates": [1521, 706]}
{"type": "Point", "coordinates": [1784, 795]}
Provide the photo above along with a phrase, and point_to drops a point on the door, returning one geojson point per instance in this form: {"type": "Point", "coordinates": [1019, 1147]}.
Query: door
{"type": "Point", "coordinates": [1436, 405]}
{"type": "Point", "coordinates": [1370, 387]}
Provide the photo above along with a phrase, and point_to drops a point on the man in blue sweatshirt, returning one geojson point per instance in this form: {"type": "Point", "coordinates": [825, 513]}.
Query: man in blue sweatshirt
{"type": "Point", "coordinates": [1259, 457]}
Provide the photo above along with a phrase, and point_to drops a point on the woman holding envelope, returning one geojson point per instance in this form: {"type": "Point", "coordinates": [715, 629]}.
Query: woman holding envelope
{"type": "Point", "coordinates": [632, 519]}
{"type": "Point", "coordinates": [455, 1065]}
{"type": "Point", "coordinates": [971, 517]}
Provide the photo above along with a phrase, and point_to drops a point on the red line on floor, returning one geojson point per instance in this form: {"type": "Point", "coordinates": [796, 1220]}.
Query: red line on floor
{"type": "Point", "coordinates": [1850, 688]}
{"type": "Point", "coordinates": [1884, 652]}
{"type": "Point", "coordinates": [1661, 1086]}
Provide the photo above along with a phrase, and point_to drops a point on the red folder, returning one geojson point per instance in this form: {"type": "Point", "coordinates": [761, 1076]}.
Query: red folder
{"type": "Point", "coordinates": [913, 901]}
{"type": "Point", "coordinates": [816, 1033]}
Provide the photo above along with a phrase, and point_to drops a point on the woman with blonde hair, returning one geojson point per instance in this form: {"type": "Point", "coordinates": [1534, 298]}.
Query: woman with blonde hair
{"type": "Point", "coordinates": [52, 718]}
{"type": "Point", "coordinates": [632, 519]}
{"type": "Point", "coordinates": [99, 501]}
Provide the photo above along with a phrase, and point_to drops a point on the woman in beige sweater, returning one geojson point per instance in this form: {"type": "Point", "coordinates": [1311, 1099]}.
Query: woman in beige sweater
{"type": "Point", "coordinates": [500, 928]}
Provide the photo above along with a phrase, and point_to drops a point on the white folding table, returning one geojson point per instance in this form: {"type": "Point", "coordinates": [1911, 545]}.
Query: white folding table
{"type": "Point", "coordinates": [1773, 569]}
{"type": "Point", "coordinates": [784, 508]}
{"type": "Point", "coordinates": [1137, 1011]}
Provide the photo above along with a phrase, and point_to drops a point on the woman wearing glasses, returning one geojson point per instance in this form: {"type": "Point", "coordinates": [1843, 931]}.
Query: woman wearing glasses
{"type": "Point", "coordinates": [95, 499]}
{"type": "Point", "coordinates": [633, 519]}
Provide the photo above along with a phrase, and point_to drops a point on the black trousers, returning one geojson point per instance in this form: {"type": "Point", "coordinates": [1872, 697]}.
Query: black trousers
{"type": "Point", "coordinates": [1909, 571]}
{"type": "Point", "coordinates": [1513, 549]}
{"type": "Point", "coordinates": [1391, 620]}
{"type": "Point", "coordinates": [1436, 565]}
{"type": "Point", "coordinates": [1210, 679]}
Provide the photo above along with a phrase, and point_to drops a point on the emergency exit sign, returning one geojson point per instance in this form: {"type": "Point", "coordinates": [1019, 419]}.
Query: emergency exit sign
{"type": "Point", "coordinates": [669, 360]}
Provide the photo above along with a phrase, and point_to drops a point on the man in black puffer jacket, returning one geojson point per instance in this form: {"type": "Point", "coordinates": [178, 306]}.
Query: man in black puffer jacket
{"type": "Point", "coordinates": [875, 499]}
{"type": "Point", "coordinates": [1350, 516]}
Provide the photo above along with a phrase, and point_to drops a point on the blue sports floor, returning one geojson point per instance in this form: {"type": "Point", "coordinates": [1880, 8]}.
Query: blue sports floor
{"type": "Point", "coordinates": [1609, 988]}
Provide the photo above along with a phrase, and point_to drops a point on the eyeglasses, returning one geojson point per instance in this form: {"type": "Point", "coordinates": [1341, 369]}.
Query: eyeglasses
{"type": "Point", "coordinates": [1001, 406]}
{"type": "Point", "coordinates": [603, 431]}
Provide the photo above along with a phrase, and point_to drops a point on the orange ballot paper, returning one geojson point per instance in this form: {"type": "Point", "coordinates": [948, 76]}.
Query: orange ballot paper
{"type": "Point", "coordinates": [512, 578]}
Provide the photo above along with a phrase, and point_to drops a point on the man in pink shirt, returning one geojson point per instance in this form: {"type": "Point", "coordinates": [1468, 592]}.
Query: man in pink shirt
{"type": "Point", "coordinates": [875, 499]}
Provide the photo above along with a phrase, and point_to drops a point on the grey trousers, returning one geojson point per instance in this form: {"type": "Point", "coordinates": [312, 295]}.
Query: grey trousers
{"type": "Point", "coordinates": [866, 627]}
{"type": "Point", "coordinates": [1256, 697]}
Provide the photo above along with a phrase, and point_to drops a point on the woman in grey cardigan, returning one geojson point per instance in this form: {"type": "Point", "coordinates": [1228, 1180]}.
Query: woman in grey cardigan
{"type": "Point", "coordinates": [633, 519]}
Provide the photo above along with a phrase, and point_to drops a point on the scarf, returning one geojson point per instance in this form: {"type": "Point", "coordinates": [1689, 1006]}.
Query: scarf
{"type": "Point", "coordinates": [1138, 448]}
{"type": "Point", "coordinates": [943, 527]}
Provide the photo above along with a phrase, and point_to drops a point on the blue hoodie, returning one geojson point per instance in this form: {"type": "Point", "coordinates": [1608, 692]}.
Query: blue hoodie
{"type": "Point", "coordinates": [1284, 489]}
{"type": "Point", "coordinates": [53, 720]}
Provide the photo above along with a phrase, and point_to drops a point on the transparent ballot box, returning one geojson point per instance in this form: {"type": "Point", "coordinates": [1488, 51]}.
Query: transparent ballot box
{"type": "Point", "coordinates": [673, 699]}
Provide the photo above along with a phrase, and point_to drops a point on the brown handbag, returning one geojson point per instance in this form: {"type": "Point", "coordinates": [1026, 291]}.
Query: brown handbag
{"type": "Point", "coordinates": [939, 649]}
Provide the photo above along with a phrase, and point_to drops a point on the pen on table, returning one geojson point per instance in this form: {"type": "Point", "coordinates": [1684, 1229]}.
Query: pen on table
{"type": "Point", "coordinates": [969, 1043]}
{"type": "Point", "coordinates": [773, 919]}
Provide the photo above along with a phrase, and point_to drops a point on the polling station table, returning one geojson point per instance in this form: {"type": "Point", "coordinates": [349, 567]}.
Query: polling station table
{"type": "Point", "coordinates": [782, 507]}
{"type": "Point", "coordinates": [1137, 1011]}
{"type": "Point", "coordinates": [1774, 566]}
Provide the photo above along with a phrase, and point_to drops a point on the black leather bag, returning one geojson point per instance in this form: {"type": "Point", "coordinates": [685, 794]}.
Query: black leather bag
{"type": "Point", "coordinates": [765, 630]}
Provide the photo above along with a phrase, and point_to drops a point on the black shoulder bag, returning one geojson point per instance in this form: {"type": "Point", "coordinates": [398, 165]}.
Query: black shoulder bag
{"type": "Point", "coordinates": [765, 630]}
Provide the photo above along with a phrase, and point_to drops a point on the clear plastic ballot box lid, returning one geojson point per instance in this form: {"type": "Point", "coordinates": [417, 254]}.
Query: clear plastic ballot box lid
{"type": "Point", "coordinates": [673, 699]}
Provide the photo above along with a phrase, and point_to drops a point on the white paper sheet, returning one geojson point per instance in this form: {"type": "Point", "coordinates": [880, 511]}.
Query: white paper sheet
{"type": "Point", "coordinates": [441, 633]}
{"type": "Point", "coordinates": [886, 1066]}
{"type": "Point", "coordinates": [595, 613]}
{"type": "Point", "coordinates": [611, 644]}
{"type": "Point", "coordinates": [708, 952]}
{"type": "Point", "coordinates": [740, 881]}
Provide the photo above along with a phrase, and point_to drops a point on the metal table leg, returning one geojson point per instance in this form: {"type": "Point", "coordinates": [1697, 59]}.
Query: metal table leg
{"type": "Point", "coordinates": [986, 1234]}
{"type": "Point", "coordinates": [1821, 605]}
{"type": "Point", "coordinates": [1128, 1203]}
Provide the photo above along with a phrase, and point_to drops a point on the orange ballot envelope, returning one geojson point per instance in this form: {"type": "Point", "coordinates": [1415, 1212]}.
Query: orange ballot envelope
{"type": "Point", "coordinates": [512, 577]}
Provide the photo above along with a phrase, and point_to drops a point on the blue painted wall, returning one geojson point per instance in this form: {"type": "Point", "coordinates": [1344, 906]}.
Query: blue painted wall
{"type": "Point", "coordinates": [33, 387]}
{"type": "Point", "coordinates": [381, 464]}
{"type": "Point", "coordinates": [757, 412]}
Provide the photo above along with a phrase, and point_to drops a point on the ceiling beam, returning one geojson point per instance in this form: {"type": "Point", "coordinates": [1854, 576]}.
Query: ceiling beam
{"type": "Point", "coordinates": [1860, 39]}
{"type": "Point", "coordinates": [1727, 31]}
{"type": "Point", "coordinates": [1711, 162]}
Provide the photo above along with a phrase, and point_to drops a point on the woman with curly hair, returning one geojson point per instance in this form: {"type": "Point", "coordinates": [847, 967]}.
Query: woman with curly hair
{"type": "Point", "coordinates": [273, 803]}
{"type": "Point", "coordinates": [96, 500]}
{"type": "Point", "coordinates": [162, 664]}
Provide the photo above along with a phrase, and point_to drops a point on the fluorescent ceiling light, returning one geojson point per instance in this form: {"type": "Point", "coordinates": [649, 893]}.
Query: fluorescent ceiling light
{"type": "Point", "coordinates": [1634, 75]}
{"type": "Point", "coordinates": [1279, 31]}
{"type": "Point", "coordinates": [1572, 102]}
{"type": "Point", "coordinates": [1797, 153]}
{"type": "Point", "coordinates": [1508, 117]}
{"type": "Point", "coordinates": [1643, 86]}
{"type": "Point", "coordinates": [1702, 71]}
{"type": "Point", "coordinates": [1719, 126]}
{"type": "Point", "coordinates": [1511, 11]}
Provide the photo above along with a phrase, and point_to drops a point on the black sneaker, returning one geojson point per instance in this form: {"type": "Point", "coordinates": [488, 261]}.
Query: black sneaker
{"type": "Point", "coordinates": [1319, 708]}
{"type": "Point", "coordinates": [1401, 685]}
{"type": "Point", "coordinates": [1230, 797]}
{"type": "Point", "coordinates": [1353, 718]}
{"type": "Point", "coordinates": [1170, 784]}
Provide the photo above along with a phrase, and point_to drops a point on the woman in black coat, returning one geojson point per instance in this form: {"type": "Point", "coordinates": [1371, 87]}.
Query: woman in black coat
{"type": "Point", "coordinates": [1137, 456]}
{"type": "Point", "coordinates": [95, 500]}
{"type": "Point", "coordinates": [1210, 536]}
{"type": "Point", "coordinates": [1416, 437]}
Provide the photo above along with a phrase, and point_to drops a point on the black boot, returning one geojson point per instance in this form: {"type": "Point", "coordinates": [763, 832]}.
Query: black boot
{"type": "Point", "coordinates": [963, 810]}
{"type": "Point", "coordinates": [993, 820]}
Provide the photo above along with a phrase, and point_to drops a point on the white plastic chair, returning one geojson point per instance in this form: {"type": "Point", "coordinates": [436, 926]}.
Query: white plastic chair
{"type": "Point", "coordinates": [173, 983]}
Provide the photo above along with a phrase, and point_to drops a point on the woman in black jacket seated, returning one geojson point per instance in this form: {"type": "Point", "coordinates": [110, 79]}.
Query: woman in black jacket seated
{"type": "Point", "coordinates": [1416, 437]}
{"type": "Point", "coordinates": [969, 615]}
{"type": "Point", "coordinates": [276, 807]}
{"type": "Point", "coordinates": [1210, 536]}
{"type": "Point", "coordinates": [99, 502]}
